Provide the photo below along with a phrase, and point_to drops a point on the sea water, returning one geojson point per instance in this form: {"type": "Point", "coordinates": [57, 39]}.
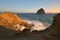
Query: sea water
{"type": "Point", "coordinates": [41, 21]}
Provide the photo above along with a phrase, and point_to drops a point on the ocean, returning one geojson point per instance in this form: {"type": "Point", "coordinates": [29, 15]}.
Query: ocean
{"type": "Point", "coordinates": [41, 21]}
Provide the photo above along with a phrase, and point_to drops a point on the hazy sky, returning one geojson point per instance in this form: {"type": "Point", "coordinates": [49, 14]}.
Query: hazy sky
{"type": "Point", "coordinates": [29, 5]}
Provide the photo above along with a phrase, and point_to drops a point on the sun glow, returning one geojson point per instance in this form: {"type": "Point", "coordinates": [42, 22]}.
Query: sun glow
{"type": "Point", "coordinates": [53, 10]}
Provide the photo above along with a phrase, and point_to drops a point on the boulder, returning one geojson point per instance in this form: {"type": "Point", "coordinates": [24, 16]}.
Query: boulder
{"type": "Point", "coordinates": [41, 11]}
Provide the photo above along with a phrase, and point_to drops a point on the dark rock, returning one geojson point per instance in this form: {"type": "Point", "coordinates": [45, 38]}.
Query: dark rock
{"type": "Point", "coordinates": [53, 32]}
{"type": "Point", "coordinates": [41, 11]}
{"type": "Point", "coordinates": [6, 33]}
{"type": "Point", "coordinates": [26, 31]}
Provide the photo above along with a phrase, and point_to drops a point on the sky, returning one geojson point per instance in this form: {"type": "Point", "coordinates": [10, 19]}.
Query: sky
{"type": "Point", "coordinates": [30, 6]}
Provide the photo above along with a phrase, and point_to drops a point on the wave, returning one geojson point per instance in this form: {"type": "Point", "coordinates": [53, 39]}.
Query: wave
{"type": "Point", "coordinates": [37, 25]}
{"type": "Point", "coordinates": [40, 22]}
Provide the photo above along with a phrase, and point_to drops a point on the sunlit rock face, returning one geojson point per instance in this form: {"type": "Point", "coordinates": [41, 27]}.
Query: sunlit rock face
{"type": "Point", "coordinates": [11, 21]}
{"type": "Point", "coordinates": [41, 11]}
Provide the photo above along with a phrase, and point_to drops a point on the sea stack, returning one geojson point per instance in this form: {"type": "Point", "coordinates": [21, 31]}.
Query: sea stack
{"type": "Point", "coordinates": [41, 11]}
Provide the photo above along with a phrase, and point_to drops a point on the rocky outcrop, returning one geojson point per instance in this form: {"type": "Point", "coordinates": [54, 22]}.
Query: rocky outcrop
{"type": "Point", "coordinates": [41, 11]}
{"type": "Point", "coordinates": [12, 21]}
{"type": "Point", "coordinates": [53, 32]}
{"type": "Point", "coordinates": [8, 20]}
{"type": "Point", "coordinates": [11, 24]}
{"type": "Point", "coordinates": [55, 27]}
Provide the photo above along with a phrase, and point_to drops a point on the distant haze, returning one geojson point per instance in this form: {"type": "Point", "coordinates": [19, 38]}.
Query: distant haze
{"type": "Point", "coordinates": [30, 6]}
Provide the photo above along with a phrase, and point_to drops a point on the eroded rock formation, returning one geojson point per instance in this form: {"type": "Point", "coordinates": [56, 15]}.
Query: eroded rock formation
{"type": "Point", "coordinates": [41, 11]}
{"type": "Point", "coordinates": [12, 21]}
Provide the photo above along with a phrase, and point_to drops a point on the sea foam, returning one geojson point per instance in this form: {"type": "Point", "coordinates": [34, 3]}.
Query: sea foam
{"type": "Point", "coordinates": [37, 25]}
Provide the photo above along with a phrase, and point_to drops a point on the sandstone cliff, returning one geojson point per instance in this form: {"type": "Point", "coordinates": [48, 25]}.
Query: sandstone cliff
{"type": "Point", "coordinates": [12, 21]}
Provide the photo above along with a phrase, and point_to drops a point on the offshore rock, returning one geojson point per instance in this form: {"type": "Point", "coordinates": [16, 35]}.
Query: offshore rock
{"type": "Point", "coordinates": [41, 11]}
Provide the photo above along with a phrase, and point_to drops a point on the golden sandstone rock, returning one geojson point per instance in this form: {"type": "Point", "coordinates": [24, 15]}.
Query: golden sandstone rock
{"type": "Point", "coordinates": [10, 20]}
